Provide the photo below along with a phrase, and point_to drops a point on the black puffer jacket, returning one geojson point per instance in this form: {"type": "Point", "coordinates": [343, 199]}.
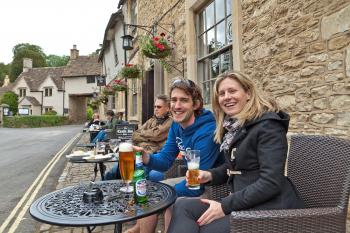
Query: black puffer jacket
{"type": "Point", "coordinates": [258, 152]}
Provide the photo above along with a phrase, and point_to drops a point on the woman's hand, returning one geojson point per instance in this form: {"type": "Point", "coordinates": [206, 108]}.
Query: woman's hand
{"type": "Point", "coordinates": [212, 213]}
{"type": "Point", "coordinates": [203, 177]}
{"type": "Point", "coordinates": [145, 156]}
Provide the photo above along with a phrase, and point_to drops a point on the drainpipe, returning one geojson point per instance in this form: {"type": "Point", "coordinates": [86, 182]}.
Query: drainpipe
{"type": "Point", "coordinates": [42, 101]}
{"type": "Point", "coordinates": [64, 92]}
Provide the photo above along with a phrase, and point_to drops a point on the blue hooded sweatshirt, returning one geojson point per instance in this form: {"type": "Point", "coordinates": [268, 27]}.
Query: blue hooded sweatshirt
{"type": "Point", "coordinates": [198, 136]}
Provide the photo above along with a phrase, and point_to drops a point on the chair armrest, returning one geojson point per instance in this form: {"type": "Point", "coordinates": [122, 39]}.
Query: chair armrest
{"type": "Point", "coordinates": [292, 220]}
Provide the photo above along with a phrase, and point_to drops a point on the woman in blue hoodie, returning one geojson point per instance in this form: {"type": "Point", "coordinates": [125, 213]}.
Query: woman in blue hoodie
{"type": "Point", "coordinates": [252, 132]}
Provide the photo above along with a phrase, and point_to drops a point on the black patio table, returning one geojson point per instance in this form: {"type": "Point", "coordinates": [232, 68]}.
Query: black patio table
{"type": "Point", "coordinates": [66, 207]}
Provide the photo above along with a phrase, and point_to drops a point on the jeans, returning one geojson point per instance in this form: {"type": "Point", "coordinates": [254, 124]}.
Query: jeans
{"type": "Point", "coordinates": [101, 136]}
{"type": "Point", "coordinates": [151, 175]}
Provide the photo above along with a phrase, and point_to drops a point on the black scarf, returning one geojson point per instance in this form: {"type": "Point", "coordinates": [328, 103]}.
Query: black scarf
{"type": "Point", "coordinates": [161, 120]}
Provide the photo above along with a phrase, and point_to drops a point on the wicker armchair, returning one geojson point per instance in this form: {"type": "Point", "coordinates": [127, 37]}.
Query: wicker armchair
{"type": "Point", "coordinates": [177, 169]}
{"type": "Point", "coordinates": [319, 166]}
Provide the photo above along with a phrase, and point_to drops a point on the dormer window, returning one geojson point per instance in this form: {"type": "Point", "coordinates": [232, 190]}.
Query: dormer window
{"type": "Point", "coordinates": [22, 92]}
{"type": "Point", "coordinates": [48, 91]}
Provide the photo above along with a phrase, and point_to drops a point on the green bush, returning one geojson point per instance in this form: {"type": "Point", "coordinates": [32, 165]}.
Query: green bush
{"type": "Point", "coordinates": [89, 113]}
{"type": "Point", "coordinates": [50, 113]}
{"type": "Point", "coordinates": [34, 121]}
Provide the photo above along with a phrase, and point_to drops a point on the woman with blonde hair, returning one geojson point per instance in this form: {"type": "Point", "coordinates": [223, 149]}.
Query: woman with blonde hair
{"type": "Point", "coordinates": [252, 132]}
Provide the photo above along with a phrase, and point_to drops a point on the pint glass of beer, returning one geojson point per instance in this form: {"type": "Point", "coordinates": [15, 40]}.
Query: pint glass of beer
{"type": "Point", "coordinates": [193, 159]}
{"type": "Point", "coordinates": [126, 165]}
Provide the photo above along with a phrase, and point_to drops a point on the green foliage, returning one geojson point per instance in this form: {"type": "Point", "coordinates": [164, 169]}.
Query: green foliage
{"type": "Point", "coordinates": [56, 61]}
{"type": "Point", "coordinates": [26, 50]}
{"type": "Point", "coordinates": [11, 99]}
{"type": "Point", "coordinates": [4, 70]}
{"type": "Point", "coordinates": [89, 113]}
{"type": "Point", "coordinates": [50, 113]}
{"type": "Point", "coordinates": [34, 121]}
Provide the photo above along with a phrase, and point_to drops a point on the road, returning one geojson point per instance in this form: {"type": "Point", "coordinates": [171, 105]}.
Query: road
{"type": "Point", "coordinates": [24, 153]}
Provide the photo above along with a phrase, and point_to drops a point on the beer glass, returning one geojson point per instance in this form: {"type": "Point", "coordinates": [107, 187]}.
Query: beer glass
{"type": "Point", "coordinates": [126, 165]}
{"type": "Point", "coordinates": [193, 159]}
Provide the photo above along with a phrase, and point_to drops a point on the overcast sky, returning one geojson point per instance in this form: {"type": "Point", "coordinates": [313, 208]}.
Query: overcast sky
{"type": "Point", "coordinates": [53, 25]}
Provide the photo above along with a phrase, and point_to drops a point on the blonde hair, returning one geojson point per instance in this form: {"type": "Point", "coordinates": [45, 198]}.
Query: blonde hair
{"type": "Point", "coordinates": [254, 108]}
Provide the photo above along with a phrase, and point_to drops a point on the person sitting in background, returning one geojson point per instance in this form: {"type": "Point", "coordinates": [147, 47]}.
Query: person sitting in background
{"type": "Point", "coordinates": [151, 135]}
{"type": "Point", "coordinates": [94, 121]}
{"type": "Point", "coordinates": [252, 132]}
{"type": "Point", "coordinates": [110, 125]}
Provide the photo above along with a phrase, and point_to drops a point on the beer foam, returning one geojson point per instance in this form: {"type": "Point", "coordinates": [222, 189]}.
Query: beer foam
{"type": "Point", "coordinates": [125, 147]}
{"type": "Point", "coordinates": [192, 165]}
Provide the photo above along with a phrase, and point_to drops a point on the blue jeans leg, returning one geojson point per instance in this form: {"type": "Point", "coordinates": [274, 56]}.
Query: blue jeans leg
{"type": "Point", "coordinates": [112, 174]}
{"type": "Point", "coordinates": [154, 175]}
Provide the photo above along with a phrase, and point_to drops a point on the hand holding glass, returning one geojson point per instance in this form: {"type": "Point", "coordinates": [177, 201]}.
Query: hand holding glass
{"type": "Point", "coordinates": [193, 159]}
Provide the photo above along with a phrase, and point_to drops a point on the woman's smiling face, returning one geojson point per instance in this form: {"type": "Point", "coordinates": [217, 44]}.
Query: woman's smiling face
{"type": "Point", "coordinates": [232, 96]}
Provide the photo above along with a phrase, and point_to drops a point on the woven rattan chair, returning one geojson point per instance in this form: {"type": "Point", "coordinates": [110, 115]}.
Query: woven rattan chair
{"type": "Point", "coordinates": [319, 166]}
{"type": "Point", "coordinates": [176, 169]}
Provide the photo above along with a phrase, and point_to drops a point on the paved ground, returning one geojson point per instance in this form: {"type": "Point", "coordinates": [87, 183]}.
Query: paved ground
{"type": "Point", "coordinates": [73, 174]}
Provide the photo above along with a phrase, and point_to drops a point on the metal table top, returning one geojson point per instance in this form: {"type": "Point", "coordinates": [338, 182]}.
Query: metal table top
{"type": "Point", "coordinates": [65, 207]}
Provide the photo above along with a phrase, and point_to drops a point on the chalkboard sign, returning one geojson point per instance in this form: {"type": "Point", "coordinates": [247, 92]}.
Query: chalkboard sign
{"type": "Point", "coordinates": [124, 131]}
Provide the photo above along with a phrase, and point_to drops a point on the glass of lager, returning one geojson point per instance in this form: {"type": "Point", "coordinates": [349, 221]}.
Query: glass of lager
{"type": "Point", "coordinates": [193, 159]}
{"type": "Point", "coordinates": [126, 165]}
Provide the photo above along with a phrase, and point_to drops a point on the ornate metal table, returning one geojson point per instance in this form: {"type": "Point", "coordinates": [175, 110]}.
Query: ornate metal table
{"type": "Point", "coordinates": [66, 207]}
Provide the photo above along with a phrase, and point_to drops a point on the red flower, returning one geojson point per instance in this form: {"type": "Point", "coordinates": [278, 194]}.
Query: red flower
{"type": "Point", "coordinates": [129, 65]}
{"type": "Point", "coordinates": [156, 38]}
{"type": "Point", "coordinates": [162, 34]}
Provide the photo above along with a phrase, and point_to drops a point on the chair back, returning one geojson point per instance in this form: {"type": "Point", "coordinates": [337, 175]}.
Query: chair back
{"type": "Point", "coordinates": [319, 167]}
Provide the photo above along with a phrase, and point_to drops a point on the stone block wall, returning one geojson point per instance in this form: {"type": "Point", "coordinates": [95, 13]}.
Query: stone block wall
{"type": "Point", "coordinates": [299, 51]}
{"type": "Point", "coordinates": [166, 12]}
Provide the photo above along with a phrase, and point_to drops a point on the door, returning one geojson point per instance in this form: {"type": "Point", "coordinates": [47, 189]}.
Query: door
{"type": "Point", "coordinates": [147, 95]}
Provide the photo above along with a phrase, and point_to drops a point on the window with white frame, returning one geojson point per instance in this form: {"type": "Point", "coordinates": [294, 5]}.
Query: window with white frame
{"type": "Point", "coordinates": [214, 43]}
{"type": "Point", "coordinates": [22, 92]}
{"type": "Point", "coordinates": [90, 79]}
{"type": "Point", "coordinates": [47, 109]}
{"type": "Point", "coordinates": [47, 91]}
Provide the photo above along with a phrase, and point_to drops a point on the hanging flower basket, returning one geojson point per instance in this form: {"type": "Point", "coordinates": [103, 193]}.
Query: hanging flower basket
{"type": "Point", "coordinates": [130, 71]}
{"type": "Point", "coordinates": [94, 103]}
{"type": "Point", "coordinates": [156, 47]}
{"type": "Point", "coordinates": [103, 99]}
{"type": "Point", "coordinates": [108, 90]}
{"type": "Point", "coordinates": [118, 85]}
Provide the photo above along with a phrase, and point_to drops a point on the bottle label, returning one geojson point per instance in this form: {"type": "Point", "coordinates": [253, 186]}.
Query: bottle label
{"type": "Point", "coordinates": [141, 188]}
{"type": "Point", "coordinates": [138, 161]}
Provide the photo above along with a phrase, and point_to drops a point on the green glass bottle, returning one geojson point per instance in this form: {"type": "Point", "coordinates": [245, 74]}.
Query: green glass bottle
{"type": "Point", "coordinates": [139, 181]}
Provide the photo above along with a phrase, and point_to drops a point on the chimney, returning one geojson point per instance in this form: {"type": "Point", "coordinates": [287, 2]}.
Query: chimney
{"type": "Point", "coordinates": [74, 53]}
{"type": "Point", "coordinates": [6, 81]}
{"type": "Point", "coordinates": [27, 64]}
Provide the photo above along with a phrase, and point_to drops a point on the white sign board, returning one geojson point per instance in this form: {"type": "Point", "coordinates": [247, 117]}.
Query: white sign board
{"type": "Point", "coordinates": [23, 111]}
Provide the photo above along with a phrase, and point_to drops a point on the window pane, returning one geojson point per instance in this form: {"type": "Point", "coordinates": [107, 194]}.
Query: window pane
{"type": "Point", "coordinates": [211, 40]}
{"type": "Point", "coordinates": [206, 92]}
{"type": "Point", "coordinates": [220, 35]}
{"type": "Point", "coordinates": [202, 46]}
{"type": "Point", "coordinates": [215, 67]}
{"type": "Point", "coordinates": [220, 10]}
{"type": "Point", "coordinates": [228, 7]}
{"type": "Point", "coordinates": [201, 26]}
{"type": "Point", "coordinates": [226, 61]}
{"type": "Point", "coordinates": [209, 15]}
{"type": "Point", "coordinates": [229, 30]}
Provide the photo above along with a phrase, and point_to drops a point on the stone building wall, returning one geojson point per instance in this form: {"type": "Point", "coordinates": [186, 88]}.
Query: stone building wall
{"type": "Point", "coordinates": [166, 12]}
{"type": "Point", "coordinates": [300, 52]}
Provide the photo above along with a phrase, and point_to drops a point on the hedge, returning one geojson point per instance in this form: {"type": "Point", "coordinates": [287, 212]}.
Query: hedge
{"type": "Point", "coordinates": [34, 121]}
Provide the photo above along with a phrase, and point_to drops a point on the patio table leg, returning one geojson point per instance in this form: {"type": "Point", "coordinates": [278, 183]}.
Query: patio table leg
{"type": "Point", "coordinates": [118, 228]}
{"type": "Point", "coordinates": [95, 172]}
{"type": "Point", "coordinates": [90, 229]}
{"type": "Point", "coordinates": [102, 170]}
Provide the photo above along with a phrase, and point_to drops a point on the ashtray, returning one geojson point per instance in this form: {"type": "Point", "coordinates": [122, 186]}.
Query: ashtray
{"type": "Point", "coordinates": [95, 195]}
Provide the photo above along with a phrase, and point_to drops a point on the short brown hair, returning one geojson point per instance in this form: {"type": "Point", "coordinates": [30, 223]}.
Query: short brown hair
{"type": "Point", "coordinates": [164, 98]}
{"type": "Point", "coordinates": [190, 88]}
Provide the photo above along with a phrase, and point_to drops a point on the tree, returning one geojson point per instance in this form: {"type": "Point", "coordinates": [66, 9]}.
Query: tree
{"type": "Point", "coordinates": [4, 70]}
{"type": "Point", "coordinates": [26, 50]}
{"type": "Point", "coordinates": [11, 99]}
{"type": "Point", "coordinates": [56, 61]}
